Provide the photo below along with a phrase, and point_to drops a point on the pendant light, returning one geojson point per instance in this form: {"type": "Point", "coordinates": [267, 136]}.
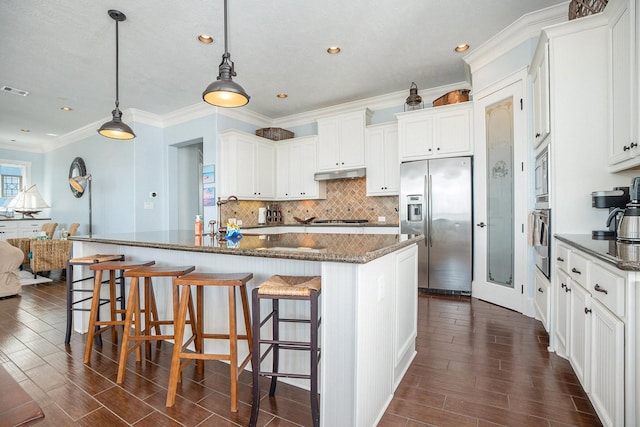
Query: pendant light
{"type": "Point", "coordinates": [224, 92]}
{"type": "Point", "coordinates": [115, 128]}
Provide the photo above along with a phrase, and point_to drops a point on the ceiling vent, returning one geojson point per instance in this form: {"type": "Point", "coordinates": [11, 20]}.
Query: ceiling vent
{"type": "Point", "coordinates": [14, 91]}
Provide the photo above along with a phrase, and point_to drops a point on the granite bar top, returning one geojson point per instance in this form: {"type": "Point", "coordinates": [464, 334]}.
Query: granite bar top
{"type": "Point", "coordinates": [625, 256]}
{"type": "Point", "coordinates": [348, 248]}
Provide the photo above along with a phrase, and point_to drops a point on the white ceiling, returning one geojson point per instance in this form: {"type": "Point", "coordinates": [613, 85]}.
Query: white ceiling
{"type": "Point", "coordinates": [63, 53]}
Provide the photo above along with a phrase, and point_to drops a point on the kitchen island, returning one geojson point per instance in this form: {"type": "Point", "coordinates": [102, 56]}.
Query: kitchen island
{"type": "Point", "coordinates": [368, 302]}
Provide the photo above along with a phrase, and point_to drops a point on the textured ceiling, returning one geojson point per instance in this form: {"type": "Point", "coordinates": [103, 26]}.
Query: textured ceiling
{"type": "Point", "coordinates": [63, 53]}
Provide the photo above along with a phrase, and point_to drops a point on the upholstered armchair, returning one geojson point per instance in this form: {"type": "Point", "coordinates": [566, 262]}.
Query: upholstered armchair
{"type": "Point", "coordinates": [10, 259]}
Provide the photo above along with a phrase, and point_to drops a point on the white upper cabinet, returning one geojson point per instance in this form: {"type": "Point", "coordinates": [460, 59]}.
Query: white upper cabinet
{"type": "Point", "coordinates": [341, 141]}
{"type": "Point", "coordinates": [436, 132]}
{"type": "Point", "coordinates": [383, 164]}
{"type": "Point", "coordinates": [246, 166]}
{"type": "Point", "coordinates": [623, 106]}
{"type": "Point", "coordinates": [295, 167]}
{"type": "Point", "coordinates": [540, 87]}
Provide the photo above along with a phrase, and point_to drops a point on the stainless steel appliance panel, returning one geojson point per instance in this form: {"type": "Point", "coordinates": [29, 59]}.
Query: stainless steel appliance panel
{"type": "Point", "coordinates": [542, 179]}
{"type": "Point", "coordinates": [436, 200]}
{"type": "Point", "coordinates": [542, 240]}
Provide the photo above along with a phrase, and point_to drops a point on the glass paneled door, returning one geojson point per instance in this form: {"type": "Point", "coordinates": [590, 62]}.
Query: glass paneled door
{"type": "Point", "coordinates": [500, 244]}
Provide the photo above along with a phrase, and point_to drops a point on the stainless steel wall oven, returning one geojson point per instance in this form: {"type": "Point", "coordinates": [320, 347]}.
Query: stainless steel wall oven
{"type": "Point", "coordinates": [542, 240]}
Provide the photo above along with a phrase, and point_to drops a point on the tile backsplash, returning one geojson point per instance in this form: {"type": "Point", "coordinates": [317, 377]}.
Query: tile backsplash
{"type": "Point", "coordinates": [346, 199]}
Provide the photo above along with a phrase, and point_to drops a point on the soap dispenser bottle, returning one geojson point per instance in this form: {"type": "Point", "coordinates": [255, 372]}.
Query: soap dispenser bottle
{"type": "Point", "coordinates": [199, 225]}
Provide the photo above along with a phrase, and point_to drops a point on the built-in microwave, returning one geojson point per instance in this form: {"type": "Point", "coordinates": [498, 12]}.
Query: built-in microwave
{"type": "Point", "coordinates": [542, 179]}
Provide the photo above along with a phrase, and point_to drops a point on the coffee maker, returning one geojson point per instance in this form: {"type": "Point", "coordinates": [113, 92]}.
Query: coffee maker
{"type": "Point", "coordinates": [612, 200]}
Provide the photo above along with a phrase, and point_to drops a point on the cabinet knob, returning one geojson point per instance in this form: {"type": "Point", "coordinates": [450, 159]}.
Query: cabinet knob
{"type": "Point", "coordinates": [575, 271]}
{"type": "Point", "coordinates": [336, 164]}
{"type": "Point", "coordinates": [429, 149]}
{"type": "Point", "coordinates": [633, 145]}
{"type": "Point", "coordinates": [587, 310]}
{"type": "Point", "coordinates": [540, 290]}
{"type": "Point", "coordinates": [438, 149]}
{"type": "Point", "coordinates": [563, 285]}
{"type": "Point", "coordinates": [599, 289]}
{"type": "Point", "coordinates": [625, 148]}
{"type": "Point", "coordinates": [560, 259]}
{"type": "Point", "coordinates": [481, 225]}
{"type": "Point", "coordinates": [538, 135]}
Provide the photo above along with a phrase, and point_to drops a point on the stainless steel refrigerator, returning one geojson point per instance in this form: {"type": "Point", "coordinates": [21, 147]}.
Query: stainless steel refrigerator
{"type": "Point", "coordinates": [436, 200]}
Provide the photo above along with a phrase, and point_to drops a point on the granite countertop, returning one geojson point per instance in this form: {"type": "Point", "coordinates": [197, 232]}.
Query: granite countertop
{"type": "Point", "coordinates": [349, 248]}
{"type": "Point", "coordinates": [625, 256]}
{"type": "Point", "coordinates": [330, 224]}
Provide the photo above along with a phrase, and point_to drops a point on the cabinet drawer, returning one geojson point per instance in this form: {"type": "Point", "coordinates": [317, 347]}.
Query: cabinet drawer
{"type": "Point", "coordinates": [608, 288]}
{"type": "Point", "coordinates": [578, 268]}
{"type": "Point", "coordinates": [562, 257]}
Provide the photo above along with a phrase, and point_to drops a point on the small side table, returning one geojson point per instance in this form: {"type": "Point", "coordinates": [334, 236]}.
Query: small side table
{"type": "Point", "coordinates": [71, 289]}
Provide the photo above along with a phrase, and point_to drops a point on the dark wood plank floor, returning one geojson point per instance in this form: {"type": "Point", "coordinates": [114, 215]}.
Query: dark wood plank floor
{"type": "Point", "coordinates": [477, 365]}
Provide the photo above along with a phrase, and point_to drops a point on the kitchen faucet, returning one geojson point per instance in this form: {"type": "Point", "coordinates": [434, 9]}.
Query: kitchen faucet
{"type": "Point", "coordinates": [221, 202]}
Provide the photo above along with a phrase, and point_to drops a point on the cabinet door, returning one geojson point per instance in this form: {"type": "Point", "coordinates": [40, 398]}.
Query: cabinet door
{"type": "Point", "coordinates": [391, 161]}
{"type": "Point", "coordinates": [244, 168]}
{"type": "Point", "coordinates": [351, 141]}
{"type": "Point", "coordinates": [542, 299]}
{"type": "Point", "coordinates": [283, 152]}
{"type": "Point", "coordinates": [305, 156]}
{"type": "Point", "coordinates": [623, 138]}
{"type": "Point", "coordinates": [8, 230]}
{"type": "Point", "coordinates": [453, 132]}
{"type": "Point", "coordinates": [265, 184]}
{"type": "Point", "coordinates": [607, 365]}
{"type": "Point", "coordinates": [375, 161]}
{"type": "Point", "coordinates": [580, 333]}
{"type": "Point", "coordinates": [540, 87]}
{"type": "Point", "coordinates": [415, 135]}
{"type": "Point", "coordinates": [563, 289]}
{"type": "Point", "coordinates": [328, 150]}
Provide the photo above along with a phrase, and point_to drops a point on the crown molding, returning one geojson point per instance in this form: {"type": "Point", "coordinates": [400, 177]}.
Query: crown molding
{"type": "Point", "coordinates": [526, 27]}
{"type": "Point", "coordinates": [381, 102]}
{"type": "Point", "coordinates": [15, 147]}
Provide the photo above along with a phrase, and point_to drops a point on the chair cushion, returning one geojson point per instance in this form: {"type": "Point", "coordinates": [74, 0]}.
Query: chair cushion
{"type": "Point", "coordinates": [10, 259]}
{"type": "Point", "coordinates": [299, 286]}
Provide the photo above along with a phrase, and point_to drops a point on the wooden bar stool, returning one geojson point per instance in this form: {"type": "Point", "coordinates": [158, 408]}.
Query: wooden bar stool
{"type": "Point", "coordinates": [139, 334]}
{"type": "Point", "coordinates": [306, 288]}
{"type": "Point", "coordinates": [200, 280]}
{"type": "Point", "coordinates": [97, 326]}
{"type": "Point", "coordinates": [76, 305]}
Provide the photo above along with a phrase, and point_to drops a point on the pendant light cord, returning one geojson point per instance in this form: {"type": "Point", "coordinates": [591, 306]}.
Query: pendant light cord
{"type": "Point", "coordinates": [118, 67]}
{"type": "Point", "coordinates": [226, 36]}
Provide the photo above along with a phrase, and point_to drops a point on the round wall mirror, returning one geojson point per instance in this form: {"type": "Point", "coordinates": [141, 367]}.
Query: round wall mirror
{"type": "Point", "coordinates": [77, 168]}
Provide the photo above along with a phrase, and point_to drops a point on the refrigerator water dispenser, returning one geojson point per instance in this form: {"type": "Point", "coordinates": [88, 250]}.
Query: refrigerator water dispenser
{"type": "Point", "coordinates": [414, 207]}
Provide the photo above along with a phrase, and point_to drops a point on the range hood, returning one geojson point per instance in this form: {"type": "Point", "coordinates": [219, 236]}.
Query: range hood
{"type": "Point", "coordinates": [341, 174]}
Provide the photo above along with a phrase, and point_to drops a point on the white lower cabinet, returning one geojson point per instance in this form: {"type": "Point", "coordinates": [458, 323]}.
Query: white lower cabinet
{"type": "Point", "coordinates": [11, 229]}
{"type": "Point", "coordinates": [542, 298]}
{"type": "Point", "coordinates": [594, 330]}
{"type": "Point", "coordinates": [8, 230]}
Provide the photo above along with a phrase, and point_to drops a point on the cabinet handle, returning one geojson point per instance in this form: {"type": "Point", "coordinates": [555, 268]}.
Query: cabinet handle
{"type": "Point", "coordinates": [633, 145]}
{"type": "Point", "coordinates": [563, 285]}
{"type": "Point", "coordinates": [625, 148]}
{"type": "Point", "coordinates": [482, 225]}
{"type": "Point", "coordinates": [560, 259]}
{"type": "Point", "coordinates": [587, 310]}
{"type": "Point", "coordinates": [540, 290]}
{"type": "Point", "coordinates": [567, 289]}
{"type": "Point", "coordinates": [538, 135]}
{"type": "Point", "coordinates": [575, 271]}
{"type": "Point", "coordinates": [599, 289]}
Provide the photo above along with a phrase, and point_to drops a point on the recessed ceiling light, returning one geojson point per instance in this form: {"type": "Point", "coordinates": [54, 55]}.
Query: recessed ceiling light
{"type": "Point", "coordinates": [282, 95]}
{"type": "Point", "coordinates": [25, 130]}
{"type": "Point", "coordinates": [205, 38]}
{"type": "Point", "coordinates": [66, 108]}
{"type": "Point", "coordinates": [333, 50]}
{"type": "Point", "coordinates": [52, 134]}
{"type": "Point", "coordinates": [14, 91]}
{"type": "Point", "coordinates": [461, 47]}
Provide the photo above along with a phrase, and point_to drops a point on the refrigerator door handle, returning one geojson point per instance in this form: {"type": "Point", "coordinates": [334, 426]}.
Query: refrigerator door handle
{"type": "Point", "coordinates": [429, 208]}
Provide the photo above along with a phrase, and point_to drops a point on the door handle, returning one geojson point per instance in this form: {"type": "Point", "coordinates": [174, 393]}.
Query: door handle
{"type": "Point", "coordinates": [481, 225]}
{"type": "Point", "coordinates": [601, 289]}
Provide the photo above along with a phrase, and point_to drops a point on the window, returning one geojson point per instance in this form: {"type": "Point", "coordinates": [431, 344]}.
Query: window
{"type": "Point", "coordinates": [14, 176]}
{"type": "Point", "coordinates": [11, 185]}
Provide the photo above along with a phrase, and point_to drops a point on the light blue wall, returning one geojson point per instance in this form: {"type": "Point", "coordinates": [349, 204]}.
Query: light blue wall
{"type": "Point", "coordinates": [515, 59]}
{"type": "Point", "coordinates": [124, 173]}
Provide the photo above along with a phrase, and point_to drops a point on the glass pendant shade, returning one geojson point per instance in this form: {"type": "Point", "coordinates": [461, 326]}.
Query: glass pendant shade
{"type": "Point", "coordinates": [224, 92]}
{"type": "Point", "coordinates": [28, 202]}
{"type": "Point", "coordinates": [116, 128]}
